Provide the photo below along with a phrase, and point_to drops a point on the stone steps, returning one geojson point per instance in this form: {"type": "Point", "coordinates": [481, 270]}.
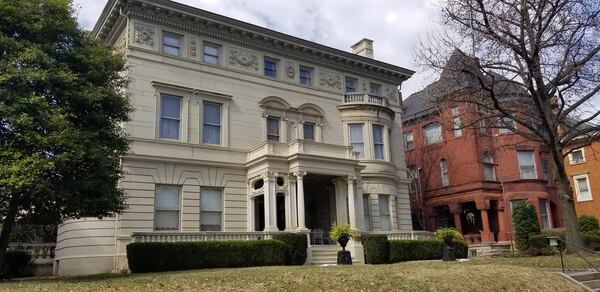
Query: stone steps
{"type": "Point", "coordinates": [325, 254]}
{"type": "Point", "coordinates": [589, 279]}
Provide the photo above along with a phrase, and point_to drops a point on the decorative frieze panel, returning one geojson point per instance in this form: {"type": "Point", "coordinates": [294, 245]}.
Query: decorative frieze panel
{"type": "Point", "coordinates": [144, 35]}
{"type": "Point", "coordinates": [243, 59]}
{"type": "Point", "coordinates": [330, 80]}
{"type": "Point", "coordinates": [391, 93]}
{"type": "Point", "coordinates": [194, 48]}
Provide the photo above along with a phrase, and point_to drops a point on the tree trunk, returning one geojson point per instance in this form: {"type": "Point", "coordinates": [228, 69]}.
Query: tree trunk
{"type": "Point", "coordinates": [7, 226]}
{"type": "Point", "coordinates": [567, 207]}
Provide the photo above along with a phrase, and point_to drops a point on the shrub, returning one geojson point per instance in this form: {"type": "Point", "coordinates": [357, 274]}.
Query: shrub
{"type": "Point", "coordinates": [441, 233]}
{"type": "Point", "coordinates": [171, 256]}
{"type": "Point", "coordinates": [377, 249]}
{"type": "Point", "coordinates": [525, 224]}
{"type": "Point", "coordinates": [539, 245]}
{"type": "Point", "coordinates": [295, 247]}
{"type": "Point", "coordinates": [414, 250]}
{"type": "Point", "coordinates": [17, 263]}
{"type": "Point", "coordinates": [338, 230]}
{"type": "Point", "coordinates": [591, 240]}
{"type": "Point", "coordinates": [588, 224]}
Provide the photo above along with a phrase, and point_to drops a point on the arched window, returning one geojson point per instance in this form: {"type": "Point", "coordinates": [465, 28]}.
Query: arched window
{"type": "Point", "coordinates": [444, 172]}
{"type": "Point", "coordinates": [432, 133]}
{"type": "Point", "coordinates": [488, 167]}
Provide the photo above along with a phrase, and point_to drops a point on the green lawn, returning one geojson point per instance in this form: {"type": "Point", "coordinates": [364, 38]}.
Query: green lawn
{"type": "Point", "coordinates": [506, 274]}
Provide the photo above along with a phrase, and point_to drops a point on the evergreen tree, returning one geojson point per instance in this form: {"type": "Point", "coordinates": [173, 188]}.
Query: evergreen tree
{"type": "Point", "coordinates": [525, 224]}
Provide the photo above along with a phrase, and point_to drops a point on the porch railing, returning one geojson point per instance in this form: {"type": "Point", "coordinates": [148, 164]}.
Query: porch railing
{"type": "Point", "coordinates": [200, 236]}
{"type": "Point", "coordinates": [40, 252]}
{"type": "Point", "coordinates": [364, 98]}
{"type": "Point", "coordinates": [411, 235]}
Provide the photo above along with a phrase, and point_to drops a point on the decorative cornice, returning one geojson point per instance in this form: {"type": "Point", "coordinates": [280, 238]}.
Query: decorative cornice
{"type": "Point", "coordinates": [237, 32]}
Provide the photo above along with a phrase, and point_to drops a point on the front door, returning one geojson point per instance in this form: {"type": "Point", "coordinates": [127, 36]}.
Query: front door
{"type": "Point", "coordinates": [280, 212]}
{"type": "Point", "coordinates": [259, 207]}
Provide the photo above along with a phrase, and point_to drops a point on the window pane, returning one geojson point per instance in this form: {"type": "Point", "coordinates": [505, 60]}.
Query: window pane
{"type": "Point", "coordinates": [211, 134]}
{"type": "Point", "coordinates": [210, 221]}
{"type": "Point", "coordinates": [367, 212]}
{"type": "Point", "coordinates": [350, 84]}
{"type": "Point", "coordinates": [526, 164]}
{"type": "Point", "coordinates": [377, 134]}
{"type": "Point", "coordinates": [211, 60]}
{"type": "Point", "coordinates": [171, 40]}
{"type": "Point", "coordinates": [433, 133]}
{"type": "Point", "coordinates": [457, 126]}
{"type": "Point", "coordinates": [167, 197]}
{"type": "Point", "coordinates": [379, 151]}
{"type": "Point", "coordinates": [210, 200]}
{"type": "Point", "coordinates": [211, 113]}
{"type": "Point", "coordinates": [356, 133]}
{"type": "Point", "coordinates": [166, 220]}
{"type": "Point", "coordinates": [171, 50]}
{"type": "Point", "coordinates": [444, 172]}
{"type": "Point", "coordinates": [358, 147]}
{"type": "Point", "coordinates": [582, 186]}
{"type": "Point", "coordinates": [375, 89]}
{"type": "Point", "coordinates": [488, 172]}
{"type": "Point", "coordinates": [270, 68]}
{"type": "Point", "coordinates": [577, 156]}
{"type": "Point", "coordinates": [309, 131]}
{"type": "Point", "coordinates": [170, 106]}
{"type": "Point", "coordinates": [273, 128]}
{"type": "Point", "coordinates": [169, 128]}
{"type": "Point", "coordinates": [305, 76]}
{"type": "Point", "coordinates": [408, 140]}
{"type": "Point", "coordinates": [384, 212]}
{"type": "Point", "coordinates": [211, 50]}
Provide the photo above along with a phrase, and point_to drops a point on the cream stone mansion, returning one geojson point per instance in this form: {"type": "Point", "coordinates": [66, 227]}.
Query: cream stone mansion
{"type": "Point", "coordinates": [240, 132]}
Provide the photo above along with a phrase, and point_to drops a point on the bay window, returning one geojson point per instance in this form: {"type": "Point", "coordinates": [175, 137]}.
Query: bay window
{"type": "Point", "coordinates": [355, 135]}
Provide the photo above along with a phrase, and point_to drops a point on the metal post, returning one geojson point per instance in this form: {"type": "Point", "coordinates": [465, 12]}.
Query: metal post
{"type": "Point", "coordinates": [562, 264]}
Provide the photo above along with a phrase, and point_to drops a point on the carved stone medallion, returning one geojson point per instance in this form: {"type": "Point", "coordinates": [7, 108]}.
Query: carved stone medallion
{"type": "Point", "coordinates": [330, 79]}
{"type": "Point", "coordinates": [193, 48]}
{"type": "Point", "coordinates": [243, 59]}
{"type": "Point", "coordinates": [144, 35]}
{"type": "Point", "coordinates": [290, 70]}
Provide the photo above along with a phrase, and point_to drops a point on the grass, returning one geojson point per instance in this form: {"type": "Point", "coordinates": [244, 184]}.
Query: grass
{"type": "Point", "coordinates": [506, 274]}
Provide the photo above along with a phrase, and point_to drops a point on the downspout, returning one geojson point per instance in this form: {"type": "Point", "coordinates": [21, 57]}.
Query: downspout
{"type": "Point", "coordinates": [504, 198]}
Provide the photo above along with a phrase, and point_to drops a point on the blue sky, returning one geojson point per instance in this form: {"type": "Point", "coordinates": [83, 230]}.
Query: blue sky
{"type": "Point", "coordinates": [394, 25]}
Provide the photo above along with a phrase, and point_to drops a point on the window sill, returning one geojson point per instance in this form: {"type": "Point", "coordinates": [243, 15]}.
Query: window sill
{"type": "Point", "coordinates": [584, 201]}
{"type": "Point", "coordinates": [576, 163]}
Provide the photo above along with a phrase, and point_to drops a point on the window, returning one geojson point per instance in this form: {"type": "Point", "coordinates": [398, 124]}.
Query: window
{"type": "Point", "coordinates": [414, 179]}
{"type": "Point", "coordinates": [582, 188]}
{"type": "Point", "coordinates": [409, 142]}
{"type": "Point", "coordinates": [432, 133]}
{"type": "Point", "coordinates": [305, 75]}
{"type": "Point", "coordinates": [211, 123]}
{"type": "Point", "coordinates": [367, 212]}
{"type": "Point", "coordinates": [270, 67]}
{"type": "Point", "coordinates": [506, 125]}
{"type": "Point", "coordinates": [444, 172]}
{"type": "Point", "coordinates": [488, 167]}
{"type": "Point", "coordinates": [546, 172]}
{"type": "Point", "coordinates": [210, 209]}
{"type": "Point", "coordinates": [309, 131]}
{"type": "Point", "coordinates": [482, 126]}
{"type": "Point", "coordinates": [526, 164]}
{"type": "Point", "coordinates": [166, 207]}
{"type": "Point", "coordinates": [545, 214]}
{"type": "Point", "coordinates": [577, 156]}
{"type": "Point", "coordinates": [378, 142]}
{"type": "Point", "coordinates": [456, 125]}
{"type": "Point", "coordinates": [356, 138]}
{"type": "Point", "coordinates": [273, 128]}
{"type": "Point", "coordinates": [375, 88]}
{"type": "Point", "coordinates": [350, 84]}
{"type": "Point", "coordinates": [384, 212]}
{"type": "Point", "coordinates": [170, 116]}
{"type": "Point", "coordinates": [211, 53]}
{"type": "Point", "coordinates": [172, 43]}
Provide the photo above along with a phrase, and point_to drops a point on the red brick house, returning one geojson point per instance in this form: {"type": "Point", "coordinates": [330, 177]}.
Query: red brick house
{"type": "Point", "coordinates": [469, 172]}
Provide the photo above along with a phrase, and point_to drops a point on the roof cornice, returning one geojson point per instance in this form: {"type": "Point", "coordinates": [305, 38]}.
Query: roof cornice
{"type": "Point", "coordinates": [221, 27]}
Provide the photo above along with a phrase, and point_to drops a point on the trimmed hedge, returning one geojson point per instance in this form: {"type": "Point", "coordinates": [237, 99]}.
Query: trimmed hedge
{"type": "Point", "coordinates": [376, 248]}
{"type": "Point", "coordinates": [539, 245]}
{"type": "Point", "coordinates": [146, 257]}
{"type": "Point", "coordinates": [588, 224]}
{"type": "Point", "coordinates": [17, 263]}
{"type": "Point", "coordinates": [414, 250]}
{"type": "Point", "coordinates": [591, 240]}
{"type": "Point", "coordinates": [295, 247]}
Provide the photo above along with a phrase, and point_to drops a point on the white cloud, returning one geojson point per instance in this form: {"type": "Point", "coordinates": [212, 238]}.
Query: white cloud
{"type": "Point", "coordinates": [393, 25]}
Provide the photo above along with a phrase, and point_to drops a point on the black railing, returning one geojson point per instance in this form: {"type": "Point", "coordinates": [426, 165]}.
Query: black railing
{"type": "Point", "coordinates": [562, 264]}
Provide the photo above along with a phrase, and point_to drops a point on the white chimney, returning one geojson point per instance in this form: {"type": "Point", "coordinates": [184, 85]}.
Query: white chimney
{"type": "Point", "coordinates": [363, 48]}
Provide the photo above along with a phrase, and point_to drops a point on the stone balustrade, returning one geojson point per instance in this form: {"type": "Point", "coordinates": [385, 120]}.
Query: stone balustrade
{"type": "Point", "coordinates": [200, 236]}
{"type": "Point", "coordinates": [408, 235]}
{"type": "Point", "coordinates": [364, 98]}
{"type": "Point", "coordinates": [40, 252]}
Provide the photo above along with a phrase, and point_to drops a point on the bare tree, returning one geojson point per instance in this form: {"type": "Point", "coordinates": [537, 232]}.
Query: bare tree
{"type": "Point", "coordinates": [534, 62]}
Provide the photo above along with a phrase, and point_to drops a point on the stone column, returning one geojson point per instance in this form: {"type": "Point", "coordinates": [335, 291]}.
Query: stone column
{"type": "Point", "coordinates": [250, 212]}
{"type": "Point", "coordinates": [360, 209]}
{"type": "Point", "coordinates": [351, 203]}
{"type": "Point", "coordinates": [270, 202]}
{"type": "Point", "coordinates": [301, 210]}
{"type": "Point", "coordinates": [341, 211]}
{"type": "Point", "coordinates": [483, 206]}
{"type": "Point", "coordinates": [293, 202]}
{"type": "Point", "coordinates": [456, 209]}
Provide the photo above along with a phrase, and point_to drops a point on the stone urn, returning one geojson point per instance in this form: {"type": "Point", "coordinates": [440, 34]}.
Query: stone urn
{"type": "Point", "coordinates": [344, 257]}
{"type": "Point", "coordinates": [448, 253]}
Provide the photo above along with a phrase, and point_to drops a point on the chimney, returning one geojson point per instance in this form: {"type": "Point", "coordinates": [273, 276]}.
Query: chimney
{"type": "Point", "coordinates": [363, 48]}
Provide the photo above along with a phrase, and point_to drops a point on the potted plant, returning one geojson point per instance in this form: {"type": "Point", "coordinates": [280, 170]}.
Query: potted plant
{"type": "Point", "coordinates": [342, 234]}
{"type": "Point", "coordinates": [448, 235]}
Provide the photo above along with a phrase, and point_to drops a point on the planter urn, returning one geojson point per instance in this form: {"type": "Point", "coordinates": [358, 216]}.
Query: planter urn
{"type": "Point", "coordinates": [344, 257]}
{"type": "Point", "coordinates": [448, 253]}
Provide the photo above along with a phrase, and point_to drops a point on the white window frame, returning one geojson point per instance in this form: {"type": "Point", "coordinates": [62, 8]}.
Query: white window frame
{"type": "Point", "coordinates": [489, 164]}
{"type": "Point", "coordinates": [276, 69]}
{"type": "Point", "coordinates": [178, 210]}
{"type": "Point", "coordinates": [444, 175]}
{"type": "Point", "coordinates": [534, 166]}
{"type": "Point", "coordinates": [387, 212]}
{"type": "Point", "coordinates": [577, 190]}
{"type": "Point", "coordinates": [351, 142]}
{"type": "Point", "coordinates": [278, 119]}
{"type": "Point", "coordinates": [375, 87]}
{"type": "Point", "coordinates": [573, 161]}
{"type": "Point", "coordinates": [406, 140]}
{"type": "Point", "coordinates": [314, 127]}
{"type": "Point", "coordinates": [221, 212]}
{"type": "Point", "coordinates": [548, 213]}
{"type": "Point", "coordinates": [160, 116]}
{"type": "Point", "coordinates": [546, 171]}
{"type": "Point", "coordinates": [354, 83]}
{"type": "Point", "coordinates": [216, 46]}
{"type": "Point", "coordinates": [425, 136]}
{"type": "Point", "coordinates": [310, 75]}
{"type": "Point", "coordinates": [203, 123]}
{"type": "Point", "coordinates": [382, 143]}
{"type": "Point", "coordinates": [179, 36]}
